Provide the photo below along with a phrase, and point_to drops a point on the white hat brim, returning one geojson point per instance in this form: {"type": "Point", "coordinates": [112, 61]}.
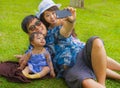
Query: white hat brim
{"type": "Point", "coordinates": [39, 13]}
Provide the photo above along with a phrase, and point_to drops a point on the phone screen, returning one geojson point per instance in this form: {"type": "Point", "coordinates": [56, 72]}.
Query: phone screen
{"type": "Point", "coordinates": [63, 13]}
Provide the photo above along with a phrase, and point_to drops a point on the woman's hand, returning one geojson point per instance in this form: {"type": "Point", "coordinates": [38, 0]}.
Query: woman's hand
{"type": "Point", "coordinates": [71, 18]}
{"type": "Point", "coordinates": [68, 23]}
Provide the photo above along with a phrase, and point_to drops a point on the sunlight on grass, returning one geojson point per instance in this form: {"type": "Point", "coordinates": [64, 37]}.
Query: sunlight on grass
{"type": "Point", "coordinates": [99, 17]}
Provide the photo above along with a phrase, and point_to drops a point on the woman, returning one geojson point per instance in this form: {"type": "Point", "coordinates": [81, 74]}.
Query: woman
{"type": "Point", "coordinates": [91, 56]}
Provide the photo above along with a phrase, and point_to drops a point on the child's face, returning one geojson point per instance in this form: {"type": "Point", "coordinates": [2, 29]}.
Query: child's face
{"type": "Point", "coordinates": [36, 26]}
{"type": "Point", "coordinates": [50, 17]}
{"type": "Point", "coordinates": [39, 40]}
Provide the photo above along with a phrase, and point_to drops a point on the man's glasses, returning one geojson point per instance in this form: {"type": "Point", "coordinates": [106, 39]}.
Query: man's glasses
{"type": "Point", "coordinates": [33, 27]}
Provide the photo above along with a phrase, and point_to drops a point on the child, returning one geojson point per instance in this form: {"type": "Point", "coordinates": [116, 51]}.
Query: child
{"type": "Point", "coordinates": [38, 59]}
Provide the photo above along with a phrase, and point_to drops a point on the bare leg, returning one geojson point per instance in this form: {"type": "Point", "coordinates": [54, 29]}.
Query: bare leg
{"type": "Point", "coordinates": [44, 72]}
{"type": "Point", "coordinates": [99, 62]}
{"type": "Point", "coordinates": [113, 75]}
{"type": "Point", "coordinates": [112, 64]}
{"type": "Point", "coordinates": [26, 71]}
{"type": "Point", "coordinates": [90, 83]}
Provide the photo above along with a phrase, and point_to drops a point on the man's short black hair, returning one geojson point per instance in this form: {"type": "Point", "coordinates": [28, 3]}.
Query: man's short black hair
{"type": "Point", "coordinates": [26, 21]}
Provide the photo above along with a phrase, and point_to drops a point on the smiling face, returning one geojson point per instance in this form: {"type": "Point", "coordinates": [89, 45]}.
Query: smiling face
{"type": "Point", "coordinates": [37, 39]}
{"type": "Point", "coordinates": [36, 26]}
{"type": "Point", "coordinates": [50, 17]}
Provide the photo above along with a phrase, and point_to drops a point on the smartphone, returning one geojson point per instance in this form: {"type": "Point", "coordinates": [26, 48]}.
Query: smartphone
{"type": "Point", "coordinates": [63, 13]}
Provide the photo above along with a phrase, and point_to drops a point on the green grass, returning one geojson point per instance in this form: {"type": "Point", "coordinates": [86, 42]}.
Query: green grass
{"type": "Point", "coordinates": [99, 17]}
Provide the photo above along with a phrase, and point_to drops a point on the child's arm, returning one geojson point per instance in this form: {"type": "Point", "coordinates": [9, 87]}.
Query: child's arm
{"type": "Point", "coordinates": [48, 57]}
{"type": "Point", "coordinates": [24, 60]}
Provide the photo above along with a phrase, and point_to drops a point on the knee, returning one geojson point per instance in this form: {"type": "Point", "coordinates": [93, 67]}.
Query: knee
{"type": "Point", "coordinates": [90, 83]}
{"type": "Point", "coordinates": [85, 83]}
{"type": "Point", "coordinates": [97, 44]}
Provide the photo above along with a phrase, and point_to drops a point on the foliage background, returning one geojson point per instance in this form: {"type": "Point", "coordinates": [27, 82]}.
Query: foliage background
{"type": "Point", "coordinates": [99, 17]}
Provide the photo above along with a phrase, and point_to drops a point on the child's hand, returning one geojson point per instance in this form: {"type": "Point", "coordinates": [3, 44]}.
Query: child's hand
{"type": "Point", "coordinates": [52, 73]}
{"type": "Point", "coordinates": [19, 68]}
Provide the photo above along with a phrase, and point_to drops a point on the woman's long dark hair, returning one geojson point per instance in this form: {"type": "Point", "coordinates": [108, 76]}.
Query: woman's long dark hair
{"type": "Point", "coordinates": [54, 8]}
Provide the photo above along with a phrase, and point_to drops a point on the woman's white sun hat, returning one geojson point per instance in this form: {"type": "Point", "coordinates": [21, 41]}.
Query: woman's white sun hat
{"type": "Point", "coordinates": [44, 5]}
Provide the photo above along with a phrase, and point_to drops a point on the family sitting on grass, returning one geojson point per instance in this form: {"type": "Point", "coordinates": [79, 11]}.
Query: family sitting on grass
{"type": "Point", "coordinates": [82, 65]}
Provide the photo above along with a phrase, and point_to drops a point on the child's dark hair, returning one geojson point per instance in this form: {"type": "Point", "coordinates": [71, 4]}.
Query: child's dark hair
{"type": "Point", "coordinates": [26, 21]}
{"type": "Point", "coordinates": [54, 8]}
{"type": "Point", "coordinates": [32, 36]}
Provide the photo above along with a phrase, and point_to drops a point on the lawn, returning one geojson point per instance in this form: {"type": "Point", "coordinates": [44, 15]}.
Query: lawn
{"type": "Point", "coordinates": [99, 17]}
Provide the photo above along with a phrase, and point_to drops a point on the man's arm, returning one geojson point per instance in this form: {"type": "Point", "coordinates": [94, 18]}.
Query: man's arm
{"type": "Point", "coordinates": [24, 60]}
